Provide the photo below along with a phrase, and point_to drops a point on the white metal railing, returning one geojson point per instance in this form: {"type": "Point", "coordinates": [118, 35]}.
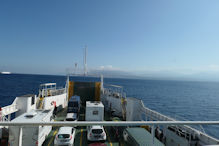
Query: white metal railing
{"type": "Point", "coordinates": [9, 109]}
{"type": "Point", "coordinates": [153, 115]}
{"type": "Point", "coordinates": [110, 123]}
{"type": "Point", "coordinates": [114, 90]}
{"type": "Point", "coordinates": [57, 91]}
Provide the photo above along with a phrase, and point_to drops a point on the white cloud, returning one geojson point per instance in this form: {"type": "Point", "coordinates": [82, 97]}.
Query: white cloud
{"type": "Point", "coordinates": [108, 67]}
{"type": "Point", "coordinates": [214, 67]}
{"type": "Point", "coordinates": [101, 67]}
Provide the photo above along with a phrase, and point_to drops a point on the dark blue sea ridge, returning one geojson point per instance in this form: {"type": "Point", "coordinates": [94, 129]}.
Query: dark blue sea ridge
{"type": "Point", "coordinates": [183, 100]}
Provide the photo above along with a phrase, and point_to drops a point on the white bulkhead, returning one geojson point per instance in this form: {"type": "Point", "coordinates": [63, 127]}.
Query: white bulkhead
{"type": "Point", "coordinates": [25, 103]}
{"type": "Point", "coordinates": [30, 135]}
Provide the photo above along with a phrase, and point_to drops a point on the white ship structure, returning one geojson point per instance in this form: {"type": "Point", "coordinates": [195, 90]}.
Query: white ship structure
{"type": "Point", "coordinates": [5, 72]}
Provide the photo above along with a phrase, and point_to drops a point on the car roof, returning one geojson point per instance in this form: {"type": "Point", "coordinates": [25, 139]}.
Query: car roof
{"type": "Point", "coordinates": [97, 127]}
{"type": "Point", "coordinates": [71, 115]}
{"type": "Point", "coordinates": [97, 144]}
{"type": "Point", "coordinates": [65, 130]}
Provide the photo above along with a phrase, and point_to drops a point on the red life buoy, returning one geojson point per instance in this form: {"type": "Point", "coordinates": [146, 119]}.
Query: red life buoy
{"type": "Point", "coordinates": [53, 103]}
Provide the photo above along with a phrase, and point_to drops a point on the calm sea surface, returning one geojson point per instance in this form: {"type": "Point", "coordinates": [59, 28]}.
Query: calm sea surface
{"type": "Point", "coordinates": [182, 100]}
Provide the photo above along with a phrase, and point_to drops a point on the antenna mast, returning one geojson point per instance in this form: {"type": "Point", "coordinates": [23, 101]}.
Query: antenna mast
{"type": "Point", "coordinates": [85, 61]}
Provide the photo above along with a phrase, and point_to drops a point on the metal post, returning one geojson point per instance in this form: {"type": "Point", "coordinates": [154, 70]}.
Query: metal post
{"type": "Point", "coordinates": [152, 132]}
{"type": "Point", "coordinates": [85, 61]}
{"type": "Point", "coordinates": [9, 117]}
{"type": "Point", "coordinates": [20, 136]}
{"type": "Point", "coordinates": [1, 114]}
{"type": "Point", "coordinates": [165, 131]}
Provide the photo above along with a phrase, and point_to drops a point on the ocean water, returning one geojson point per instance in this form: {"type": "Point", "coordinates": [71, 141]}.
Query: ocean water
{"type": "Point", "coordinates": [183, 100]}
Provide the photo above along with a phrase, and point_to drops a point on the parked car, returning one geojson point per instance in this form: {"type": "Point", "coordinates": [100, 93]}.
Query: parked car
{"type": "Point", "coordinates": [97, 144]}
{"type": "Point", "coordinates": [96, 133]}
{"type": "Point", "coordinates": [117, 130]}
{"type": "Point", "coordinates": [65, 136]}
{"type": "Point", "coordinates": [74, 104]}
{"type": "Point", "coordinates": [71, 117]}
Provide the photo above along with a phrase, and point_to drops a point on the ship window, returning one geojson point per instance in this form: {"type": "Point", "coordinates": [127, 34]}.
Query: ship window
{"type": "Point", "coordinates": [97, 131]}
{"type": "Point", "coordinates": [33, 100]}
{"type": "Point", "coordinates": [73, 104]}
{"type": "Point", "coordinates": [63, 136]}
{"type": "Point", "coordinates": [95, 112]}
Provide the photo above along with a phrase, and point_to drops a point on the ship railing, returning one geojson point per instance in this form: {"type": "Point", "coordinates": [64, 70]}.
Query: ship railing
{"type": "Point", "coordinates": [109, 123]}
{"type": "Point", "coordinates": [57, 91]}
{"type": "Point", "coordinates": [199, 127]}
{"type": "Point", "coordinates": [153, 124]}
{"type": "Point", "coordinates": [7, 111]}
{"type": "Point", "coordinates": [117, 93]}
{"type": "Point", "coordinates": [51, 91]}
{"type": "Point", "coordinates": [114, 88]}
{"type": "Point", "coordinates": [153, 115]}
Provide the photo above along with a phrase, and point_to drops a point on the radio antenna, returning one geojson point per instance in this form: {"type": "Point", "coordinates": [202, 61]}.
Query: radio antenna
{"type": "Point", "coordinates": [85, 61]}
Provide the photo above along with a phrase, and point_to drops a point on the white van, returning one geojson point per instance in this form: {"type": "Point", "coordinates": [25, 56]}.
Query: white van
{"type": "Point", "coordinates": [94, 111]}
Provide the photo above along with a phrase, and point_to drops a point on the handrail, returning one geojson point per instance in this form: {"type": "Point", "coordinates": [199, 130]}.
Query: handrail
{"type": "Point", "coordinates": [109, 123]}
{"type": "Point", "coordinates": [9, 109]}
{"type": "Point", "coordinates": [117, 86]}
{"type": "Point", "coordinates": [47, 84]}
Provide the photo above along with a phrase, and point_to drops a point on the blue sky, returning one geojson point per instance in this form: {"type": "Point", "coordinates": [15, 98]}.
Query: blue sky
{"type": "Point", "coordinates": [145, 36]}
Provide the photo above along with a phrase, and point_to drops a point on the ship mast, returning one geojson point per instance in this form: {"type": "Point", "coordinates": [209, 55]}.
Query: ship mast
{"type": "Point", "coordinates": [85, 61]}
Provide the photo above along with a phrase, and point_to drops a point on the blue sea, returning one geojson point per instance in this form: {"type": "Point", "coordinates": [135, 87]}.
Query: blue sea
{"type": "Point", "coordinates": [183, 100]}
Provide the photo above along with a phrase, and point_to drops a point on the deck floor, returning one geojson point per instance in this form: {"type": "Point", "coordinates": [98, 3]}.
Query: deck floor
{"type": "Point", "coordinates": [81, 133]}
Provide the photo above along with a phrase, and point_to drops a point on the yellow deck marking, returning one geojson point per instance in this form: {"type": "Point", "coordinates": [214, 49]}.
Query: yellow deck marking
{"type": "Point", "coordinates": [109, 138]}
{"type": "Point", "coordinates": [52, 136]}
{"type": "Point", "coordinates": [81, 137]}
{"type": "Point", "coordinates": [54, 133]}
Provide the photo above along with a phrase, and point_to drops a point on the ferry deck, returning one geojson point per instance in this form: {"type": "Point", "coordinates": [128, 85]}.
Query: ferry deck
{"type": "Point", "coordinates": [81, 133]}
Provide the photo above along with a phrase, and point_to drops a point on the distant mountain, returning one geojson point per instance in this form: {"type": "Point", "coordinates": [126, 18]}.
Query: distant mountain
{"type": "Point", "coordinates": [113, 73]}
{"type": "Point", "coordinates": [162, 75]}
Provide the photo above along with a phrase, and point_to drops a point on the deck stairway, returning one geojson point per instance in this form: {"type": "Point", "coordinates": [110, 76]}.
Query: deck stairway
{"type": "Point", "coordinates": [40, 103]}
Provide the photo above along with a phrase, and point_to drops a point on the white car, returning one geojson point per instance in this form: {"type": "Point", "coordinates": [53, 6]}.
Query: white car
{"type": "Point", "coordinates": [71, 117]}
{"type": "Point", "coordinates": [65, 136]}
{"type": "Point", "coordinates": [96, 133]}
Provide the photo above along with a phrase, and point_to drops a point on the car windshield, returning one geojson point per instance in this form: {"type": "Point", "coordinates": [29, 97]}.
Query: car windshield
{"type": "Point", "coordinates": [73, 104]}
{"type": "Point", "coordinates": [70, 119]}
{"type": "Point", "coordinates": [63, 136]}
{"type": "Point", "coordinates": [97, 131]}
